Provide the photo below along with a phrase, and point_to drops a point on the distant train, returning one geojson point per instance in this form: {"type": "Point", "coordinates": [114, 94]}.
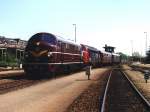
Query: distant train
{"type": "Point", "coordinates": [48, 53]}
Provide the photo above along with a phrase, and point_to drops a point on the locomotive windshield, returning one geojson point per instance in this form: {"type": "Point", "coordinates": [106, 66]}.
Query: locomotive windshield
{"type": "Point", "coordinates": [43, 37]}
{"type": "Point", "coordinates": [38, 47]}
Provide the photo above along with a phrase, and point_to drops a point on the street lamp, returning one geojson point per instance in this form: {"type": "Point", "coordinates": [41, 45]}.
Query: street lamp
{"type": "Point", "coordinates": [74, 30]}
{"type": "Point", "coordinates": [146, 42]}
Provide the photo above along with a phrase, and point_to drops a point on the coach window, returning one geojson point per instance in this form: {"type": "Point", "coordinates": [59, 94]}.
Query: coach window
{"type": "Point", "coordinates": [79, 49]}
{"type": "Point", "coordinates": [76, 49]}
{"type": "Point", "coordinates": [63, 47]}
{"type": "Point", "coordinates": [67, 47]}
{"type": "Point", "coordinates": [59, 45]}
{"type": "Point", "coordinates": [73, 49]}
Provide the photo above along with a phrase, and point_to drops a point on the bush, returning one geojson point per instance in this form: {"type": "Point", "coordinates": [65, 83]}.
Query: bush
{"type": "Point", "coordinates": [3, 64]}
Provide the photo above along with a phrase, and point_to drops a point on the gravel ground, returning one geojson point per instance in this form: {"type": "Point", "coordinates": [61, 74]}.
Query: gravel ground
{"type": "Point", "coordinates": [121, 97]}
{"type": "Point", "coordinates": [51, 96]}
{"type": "Point", "coordinates": [89, 100]}
{"type": "Point", "coordinates": [138, 79]}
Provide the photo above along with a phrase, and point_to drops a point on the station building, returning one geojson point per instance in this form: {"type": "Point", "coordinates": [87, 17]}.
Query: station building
{"type": "Point", "coordinates": [11, 50]}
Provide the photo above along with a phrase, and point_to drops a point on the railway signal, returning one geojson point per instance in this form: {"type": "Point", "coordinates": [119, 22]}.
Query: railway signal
{"type": "Point", "coordinates": [146, 75]}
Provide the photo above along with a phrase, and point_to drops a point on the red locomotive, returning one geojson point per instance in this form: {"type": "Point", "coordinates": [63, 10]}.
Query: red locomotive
{"type": "Point", "coordinates": [47, 53]}
{"type": "Point", "coordinates": [94, 55]}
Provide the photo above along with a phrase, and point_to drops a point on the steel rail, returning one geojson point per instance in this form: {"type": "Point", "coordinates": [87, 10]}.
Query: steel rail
{"type": "Point", "coordinates": [105, 93]}
{"type": "Point", "coordinates": [139, 93]}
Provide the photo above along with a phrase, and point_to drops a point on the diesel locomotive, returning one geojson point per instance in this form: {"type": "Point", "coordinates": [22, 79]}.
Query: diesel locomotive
{"type": "Point", "coordinates": [48, 53]}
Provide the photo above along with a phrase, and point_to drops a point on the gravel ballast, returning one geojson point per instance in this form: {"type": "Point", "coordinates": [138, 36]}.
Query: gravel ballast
{"type": "Point", "coordinates": [89, 100]}
{"type": "Point", "coordinates": [138, 79]}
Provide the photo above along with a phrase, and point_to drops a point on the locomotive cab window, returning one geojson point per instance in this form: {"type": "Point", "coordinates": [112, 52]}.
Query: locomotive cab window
{"type": "Point", "coordinates": [43, 37]}
{"type": "Point", "coordinates": [48, 38]}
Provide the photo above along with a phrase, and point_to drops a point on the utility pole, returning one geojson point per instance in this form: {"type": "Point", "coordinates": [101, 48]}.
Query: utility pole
{"type": "Point", "coordinates": [132, 50]}
{"type": "Point", "coordinates": [132, 47]}
{"type": "Point", "coordinates": [74, 31]}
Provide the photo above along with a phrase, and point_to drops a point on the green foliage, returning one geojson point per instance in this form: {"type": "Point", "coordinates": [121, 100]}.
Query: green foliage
{"type": "Point", "coordinates": [3, 64]}
{"type": "Point", "coordinates": [9, 60]}
{"type": "Point", "coordinates": [123, 56]}
{"type": "Point", "coordinates": [136, 56]}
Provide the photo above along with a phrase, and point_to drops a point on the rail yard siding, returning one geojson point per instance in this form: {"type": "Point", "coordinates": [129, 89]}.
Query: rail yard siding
{"type": "Point", "coordinates": [138, 80]}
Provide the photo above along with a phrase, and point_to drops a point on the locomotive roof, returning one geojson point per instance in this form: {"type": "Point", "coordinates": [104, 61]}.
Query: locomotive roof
{"type": "Point", "coordinates": [109, 53]}
{"type": "Point", "coordinates": [91, 48]}
{"type": "Point", "coordinates": [115, 54]}
{"type": "Point", "coordinates": [66, 41]}
{"type": "Point", "coordinates": [104, 52]}
{"type": "Point", "coordinates": [60, 38]}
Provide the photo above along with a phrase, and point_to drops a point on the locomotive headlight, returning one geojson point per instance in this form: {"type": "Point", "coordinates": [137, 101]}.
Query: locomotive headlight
{"type": "Point", "coordinates": [49, 54]}
{"type": "Point", "coordinates": [26, 55]}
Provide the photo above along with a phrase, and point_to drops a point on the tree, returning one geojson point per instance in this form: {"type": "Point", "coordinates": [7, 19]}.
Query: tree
{"type": "Point", "coordinates": [136, 56]}
{"type": "Point", "coordinates": [124, 57]}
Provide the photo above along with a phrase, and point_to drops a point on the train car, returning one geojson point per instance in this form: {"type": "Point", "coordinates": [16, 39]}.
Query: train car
{"type": "Point", "coordinates": [115, 58]}
{"type": "Point", "coordinates": [85, 55]}
{"type": "Point", "coordinates": [94, 55]}
{"type": "Point", "coordinates": [106, 58]}
{"type": "Point", "coordinates": [47, 53]}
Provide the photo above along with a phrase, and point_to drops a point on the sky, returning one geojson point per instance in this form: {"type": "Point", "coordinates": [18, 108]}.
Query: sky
{"type": "Point", "coordinates": [118, 23]}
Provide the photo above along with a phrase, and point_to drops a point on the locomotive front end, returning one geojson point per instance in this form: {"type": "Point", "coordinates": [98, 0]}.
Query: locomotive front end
{"type": "Point", "coordinates": [38, 57]}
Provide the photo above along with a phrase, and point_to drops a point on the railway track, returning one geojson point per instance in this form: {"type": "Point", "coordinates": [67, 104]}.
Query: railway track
{"type": "Point", "coordinates": [122, 96]}
{"type": "Point", "coordinates": [140, 69]}
{"type": "Point", "coordinates": [12, 83]}
{"type": "Point", "coordinates": [88, 101]}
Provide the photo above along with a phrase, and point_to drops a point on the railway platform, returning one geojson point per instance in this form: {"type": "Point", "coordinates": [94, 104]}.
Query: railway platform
{"type": "Point", "coordinates": [54, 95]}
